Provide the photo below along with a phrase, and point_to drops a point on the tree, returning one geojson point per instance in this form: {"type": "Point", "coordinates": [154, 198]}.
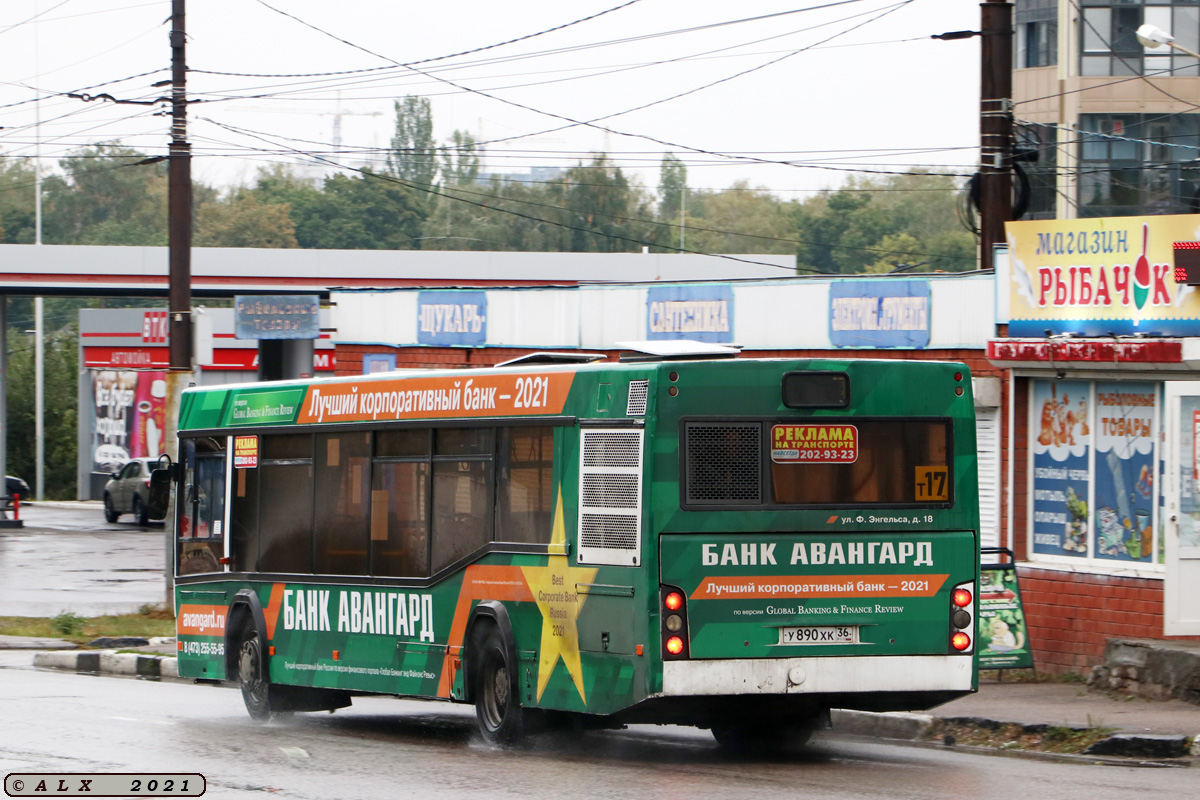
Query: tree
{"type": "Point", "coordinates": [61, 391]}
{"type": "Point", "coordinates": [603, 209]}
{"type": "Point", "coordinates": [17, 186]}
{"type": "Point", "coordinates": [847, 230]}
{"type": "Point", "coordinates": [741, 220]}
{"type": "Point", "coordinates": [672, 183]}
{"type": "Point", "coordinates": [460, 160]}
{"type": "Point", "coordinates": [241, 221]}
{"type": "Point", "coordinates": [106, 196]}
{"type": "Point", "coordinates": [413, 156]}
{"type": "Point", "coordinates": [368, 211]}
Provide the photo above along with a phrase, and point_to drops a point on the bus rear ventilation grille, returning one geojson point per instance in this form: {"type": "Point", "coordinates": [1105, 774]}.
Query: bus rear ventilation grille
{"type": "Point", "coordinates": [724, 463]}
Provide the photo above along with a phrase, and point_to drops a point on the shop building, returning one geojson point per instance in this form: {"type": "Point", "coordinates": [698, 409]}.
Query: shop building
{"type": "Point", "coordinates": [1103, 349]}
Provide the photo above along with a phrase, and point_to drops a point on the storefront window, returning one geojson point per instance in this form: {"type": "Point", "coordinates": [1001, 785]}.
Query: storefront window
{"type": "Point", "coordinates": [1093, 452]}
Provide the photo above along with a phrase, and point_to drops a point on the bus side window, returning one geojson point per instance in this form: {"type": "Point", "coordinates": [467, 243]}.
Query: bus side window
{"type": "Point", "coordinates": [285, 513]}
{"type": "Point", "coordinates": [524, 486]}
{"type": "Point", "coordinates": [399, 503]}
{"type": "Point", "coordinates": [243, 521]}
{"type": "Point", "coordinates": [462, 493]}
{"type": "Point", "coordinates": [342, 502]}
{"type": "Point", "coordinates": [201, 536]}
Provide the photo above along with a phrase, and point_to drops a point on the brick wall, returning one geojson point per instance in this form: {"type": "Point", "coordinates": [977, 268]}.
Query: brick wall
{"type": "Point", "coordinates": [1071, 615]}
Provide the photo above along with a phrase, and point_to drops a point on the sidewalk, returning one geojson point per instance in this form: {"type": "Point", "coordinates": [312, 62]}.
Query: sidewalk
{"type": "Point", "coordinates": [1072, 705]}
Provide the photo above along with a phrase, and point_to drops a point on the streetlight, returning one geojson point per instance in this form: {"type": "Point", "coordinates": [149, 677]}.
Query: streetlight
{"type": "Point", "coordinates": [1152, 37]}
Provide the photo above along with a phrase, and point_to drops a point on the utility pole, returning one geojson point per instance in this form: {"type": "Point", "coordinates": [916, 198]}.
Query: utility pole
{"type": "Point", "coordinates": [995, 126]}
{"type": "Point", "coordinates": [179, 247]}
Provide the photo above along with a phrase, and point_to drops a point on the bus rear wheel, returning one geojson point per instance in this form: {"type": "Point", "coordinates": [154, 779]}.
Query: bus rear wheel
{"type": "Point", "coordinates": [497, 697]}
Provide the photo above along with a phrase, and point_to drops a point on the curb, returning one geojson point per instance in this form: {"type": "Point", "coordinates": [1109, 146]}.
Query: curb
{"type": "Point", "coordinates": [109, 662]}
{"type": "Point", "coordinates": [916, 727]}
{"type": "Point", "coordinates": [887, 725]}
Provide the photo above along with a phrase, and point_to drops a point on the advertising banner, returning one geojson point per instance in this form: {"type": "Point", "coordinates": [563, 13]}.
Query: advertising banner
{"type": "Point", "coordinates": [879, 314]}
{"type": "Point", "coordinates": [1126, 430]}
{"type": "Point", "coordinates": [130, 409]}
{"type": "Point", "coordinates": [1003, 641]}
{"type": "Point", "coordinates": [1188, 466]}
{"type": "Point", "coordinates": [699, 313]}
{"type": "Point", "coordinates": [1060, 467]}
{"type": "Point", "coordinates": [1099, 277]}
{"type": "Point", "coordinates": [452, 318]}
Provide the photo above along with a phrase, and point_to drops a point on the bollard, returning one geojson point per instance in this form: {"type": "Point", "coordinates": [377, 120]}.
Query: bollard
{"type": "Point", "coordinates": [17, 505]}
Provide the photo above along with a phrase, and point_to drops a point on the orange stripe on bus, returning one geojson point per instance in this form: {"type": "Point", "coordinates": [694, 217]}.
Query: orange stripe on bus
{"type": "Point", "coordinates": [841, 586]}
{"type": "Point", "coordinates": [480, 582]}
{"type": "Point", "coordinates": [271, 612]}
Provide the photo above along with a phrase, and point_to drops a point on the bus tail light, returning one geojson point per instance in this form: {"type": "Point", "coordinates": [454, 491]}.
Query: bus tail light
{"type": "Point", "coordinates": [962, 618]}
{"type": "Point", "coordinates": [674, 622]}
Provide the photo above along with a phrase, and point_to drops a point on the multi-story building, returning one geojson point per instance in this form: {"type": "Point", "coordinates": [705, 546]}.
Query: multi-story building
{"type": "Point", "coordinates": [1116, 125]}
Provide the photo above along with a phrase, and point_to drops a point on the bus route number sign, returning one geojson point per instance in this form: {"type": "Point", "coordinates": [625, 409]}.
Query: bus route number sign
{"type": "Point", "coordinates": [933, 484]}
{"type": "Point", "coordinates": [814, 444]}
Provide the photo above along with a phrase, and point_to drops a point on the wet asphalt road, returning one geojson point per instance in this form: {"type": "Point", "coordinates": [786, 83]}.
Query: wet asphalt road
{"type": "Point", "coordinates": [70, 559]}
{"type": "Point", "coordinates": [384, 748]}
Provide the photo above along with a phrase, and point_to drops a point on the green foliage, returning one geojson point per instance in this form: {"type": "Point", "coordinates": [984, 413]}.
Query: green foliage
{"type": "Point", "coordinates": [672, 184]}
{"type": "Point", "coordinates": [603, 209]}
{"type": "Point", "coordinates": [240, 220]}
{"type": "Point", "coordinates": [460, 160]}
{"type": "Point", "coordinates": [106, 197]}
{"type": "Point", "coordinates": [67, 624]}
{"type": "Point", "coordinates": [413, 157]}
{"type": "Point", "coordinates": [17, 212]}
{"type": "Point", "coordinates": [361, 212]}
{"type": "Point", "coordinates": [81, 630]}
{"type": "Point", "coordinates": [739, 219]}
{"type": "Point", "coordinates": [61, 396]}
{"type": "Point", "coordinates": [889, 221]}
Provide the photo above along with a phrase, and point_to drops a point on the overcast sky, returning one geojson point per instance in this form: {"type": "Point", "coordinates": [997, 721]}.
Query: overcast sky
{"type": "Point", "coordinates": [855, 85]}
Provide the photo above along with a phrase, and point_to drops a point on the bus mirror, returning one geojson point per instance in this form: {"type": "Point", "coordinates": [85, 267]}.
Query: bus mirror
{"type": "Point", "coordinates": [160, 493]}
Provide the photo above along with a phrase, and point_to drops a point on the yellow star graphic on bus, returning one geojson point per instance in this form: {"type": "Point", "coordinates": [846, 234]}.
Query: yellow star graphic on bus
{"type": "Point", "coordinates": [554, 590]}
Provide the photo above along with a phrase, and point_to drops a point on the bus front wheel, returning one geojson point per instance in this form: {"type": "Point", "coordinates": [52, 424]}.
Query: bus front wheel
{"type": "Point", "coordinates": [497, 698]}
{"type": "Point", "coordinates": [252, 677]}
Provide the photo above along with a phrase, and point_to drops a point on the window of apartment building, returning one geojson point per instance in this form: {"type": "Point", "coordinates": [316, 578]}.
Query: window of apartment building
{"type": "Point", "coordinates": [1109, 44]}
{"type": "Point", "coordinates": [1037, 44]}
{"type": "Point", "coordinates": [1042, 142]}
{"type": "Point", "coordinates": [1138, 164]}
{"type": "Point", "coordinates": [1036, 33]}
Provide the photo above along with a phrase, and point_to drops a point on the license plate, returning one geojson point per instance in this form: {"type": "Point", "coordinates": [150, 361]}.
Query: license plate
{"type": "Point", "coordinates": [819, 634]}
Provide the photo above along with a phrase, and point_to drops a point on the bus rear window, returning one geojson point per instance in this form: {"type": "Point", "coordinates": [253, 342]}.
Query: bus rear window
{"type": "Point", "coordinates": [824, 461]}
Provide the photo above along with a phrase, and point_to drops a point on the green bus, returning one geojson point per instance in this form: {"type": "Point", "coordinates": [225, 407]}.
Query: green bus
{"type": "Point", "coordinates": [733, 543]}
